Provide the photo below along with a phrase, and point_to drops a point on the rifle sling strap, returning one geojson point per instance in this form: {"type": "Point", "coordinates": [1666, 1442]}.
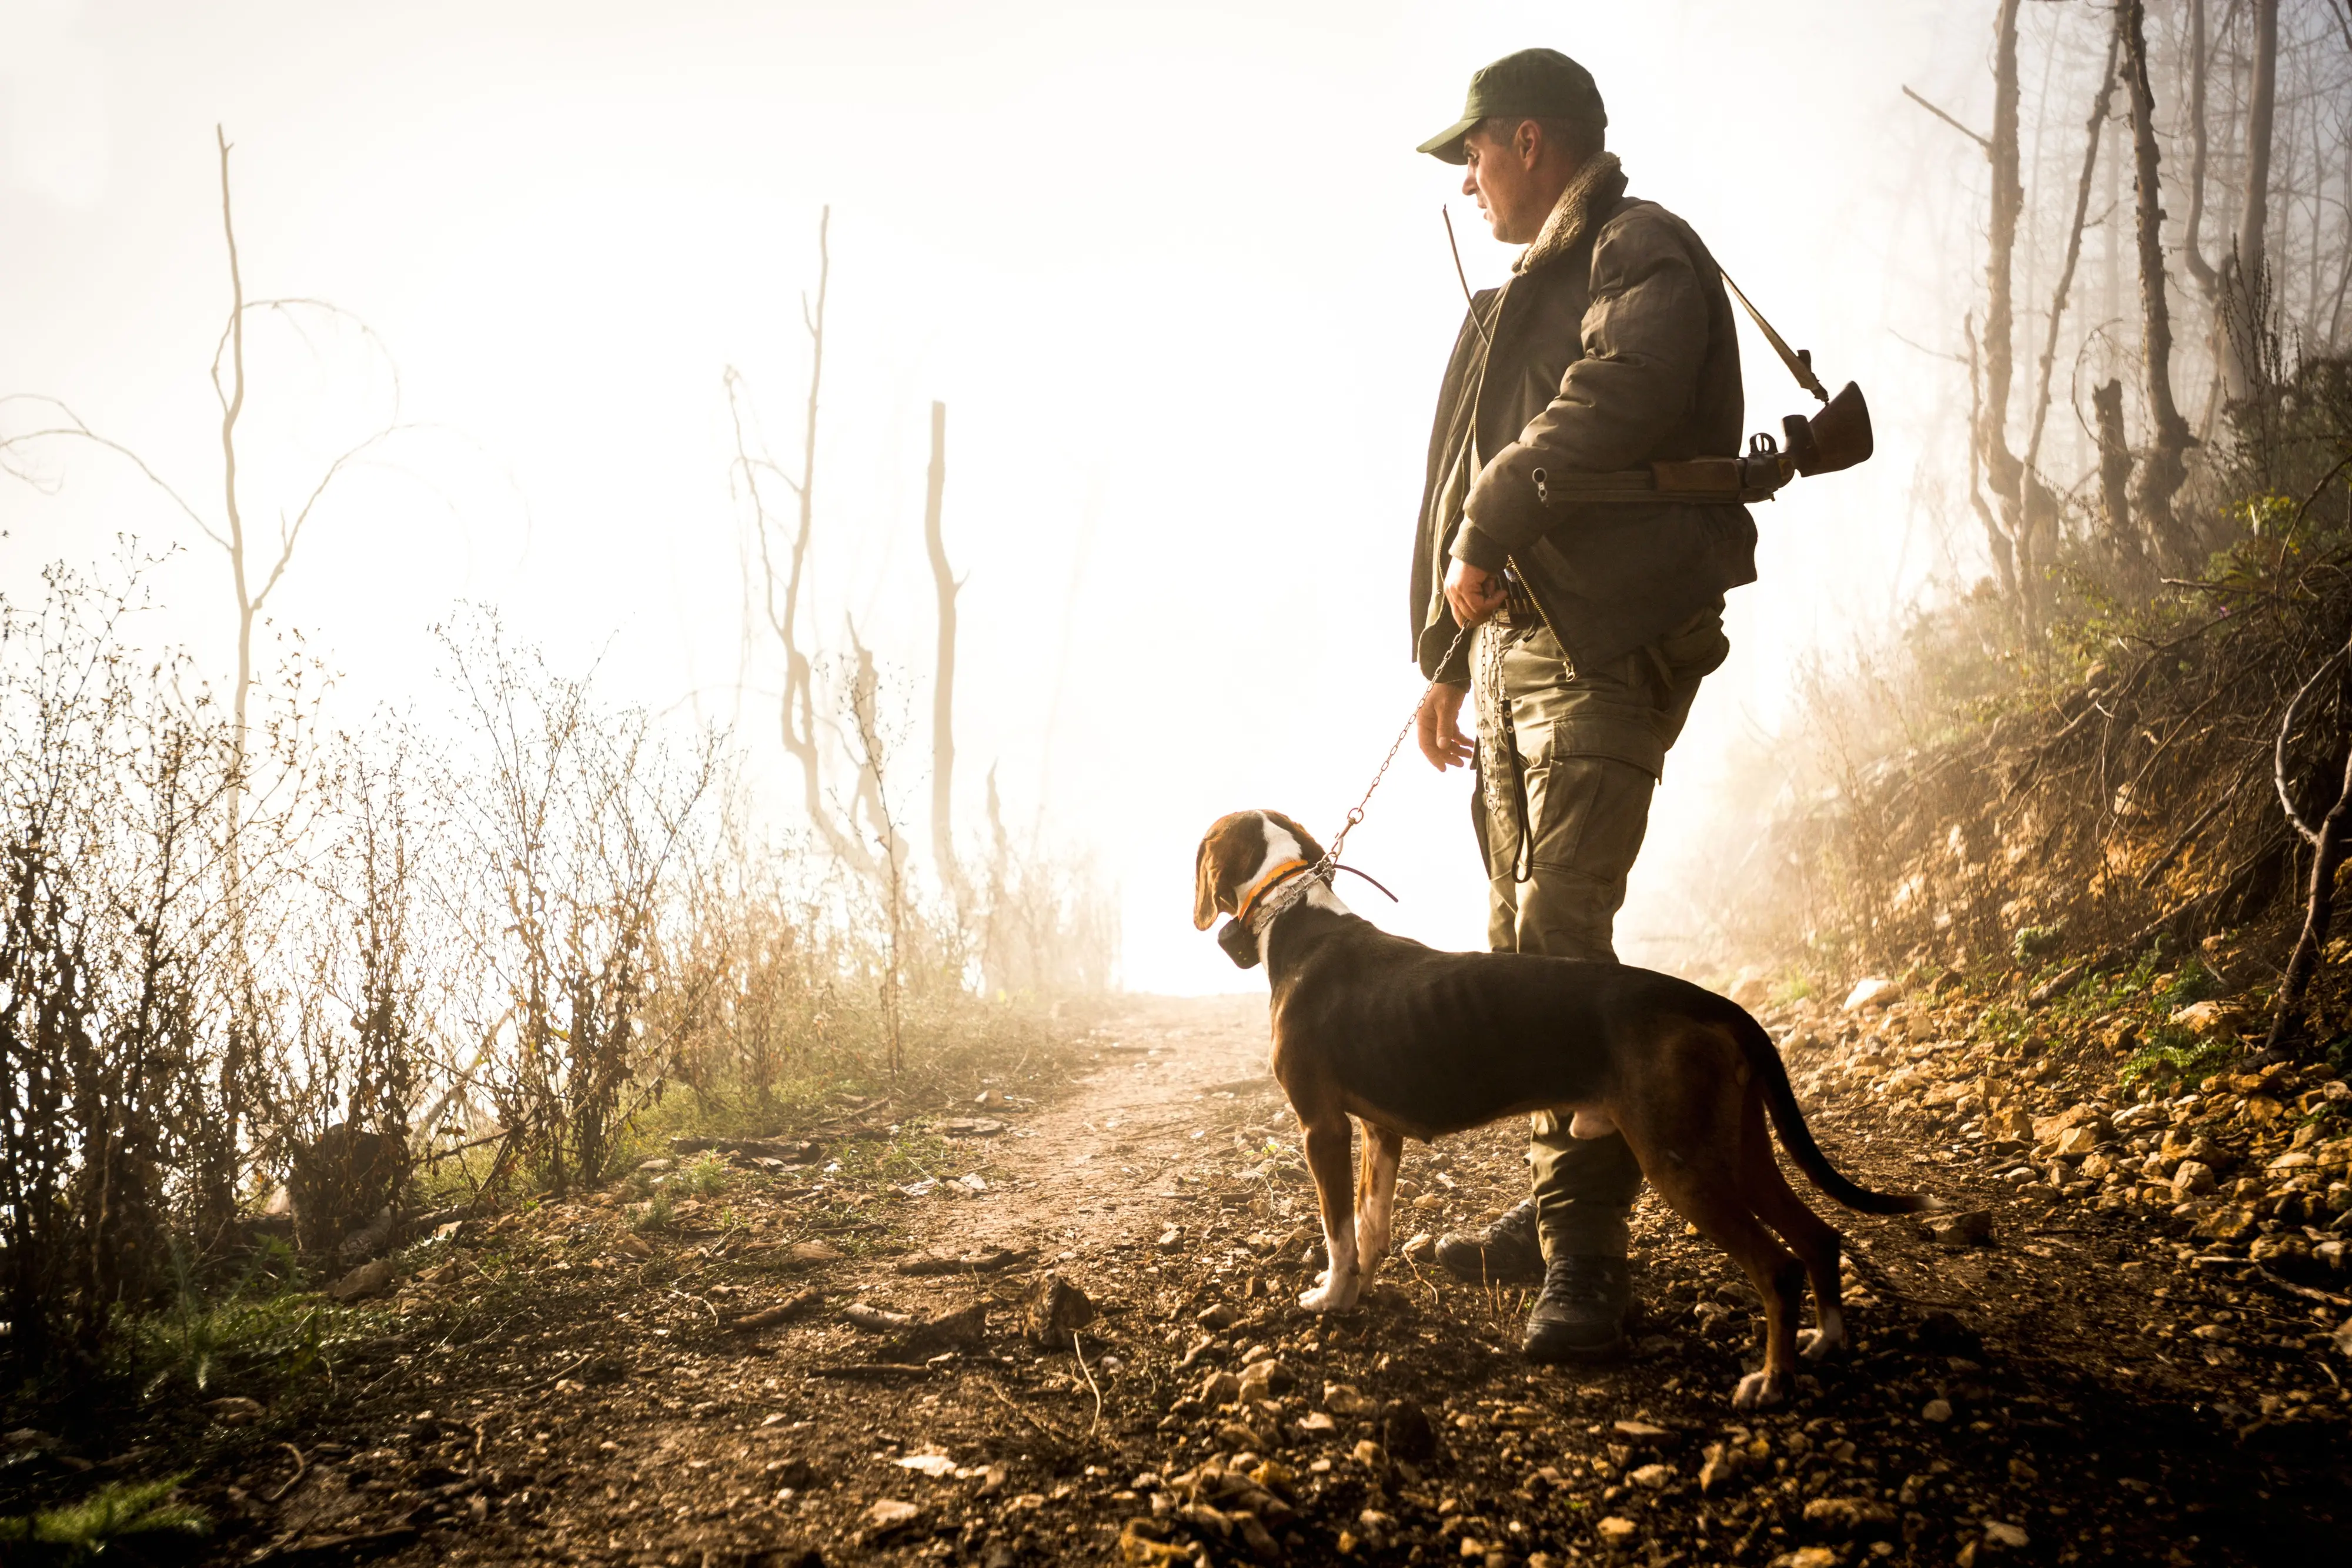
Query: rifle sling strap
{"type": "Point", "coordinates": [1704, 481]}
{"type": "Point", "coordinates": [1800, 363]}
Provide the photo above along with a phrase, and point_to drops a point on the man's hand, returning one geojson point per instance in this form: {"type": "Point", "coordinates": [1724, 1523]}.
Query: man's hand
{"type": "Point", "coordinates": [1472, 592]}
{"type": "Point", "coordinates": [1442, 740]}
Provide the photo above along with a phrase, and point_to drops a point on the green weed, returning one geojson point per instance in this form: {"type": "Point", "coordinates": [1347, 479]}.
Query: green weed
{"type": "Point", "coordinates": [119, 1511]}
{"type": "Point", "coordinates": [263, 1326]}
{"type": "Point", "coordinates": [2173, 1055]}
{"type": "Point", "coordinates": [2036, 941]}
{"type": "Point", "coordinates": [706, 1178]}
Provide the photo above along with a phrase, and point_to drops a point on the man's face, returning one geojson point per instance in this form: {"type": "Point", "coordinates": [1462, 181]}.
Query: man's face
{"type": "Point", "coordinates": [1516, 179]}
{"type": "Point", "coordinates": [1505, 175]}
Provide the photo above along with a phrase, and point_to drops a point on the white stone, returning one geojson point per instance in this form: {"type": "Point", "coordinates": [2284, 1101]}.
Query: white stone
{"type": "Point", "coordinates": [1872, 991]}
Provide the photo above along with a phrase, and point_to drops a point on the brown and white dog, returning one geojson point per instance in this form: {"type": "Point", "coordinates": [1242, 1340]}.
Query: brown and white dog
{"type": "Point", "coordinates": [1417, 1043]}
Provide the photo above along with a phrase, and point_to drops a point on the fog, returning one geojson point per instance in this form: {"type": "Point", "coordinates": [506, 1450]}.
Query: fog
{"type": "Point", "coordinates": [1175, 271]}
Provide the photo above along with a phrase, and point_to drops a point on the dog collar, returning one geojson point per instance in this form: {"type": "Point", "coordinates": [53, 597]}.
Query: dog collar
{"type": "Point", "coordinates": [1263, 885]}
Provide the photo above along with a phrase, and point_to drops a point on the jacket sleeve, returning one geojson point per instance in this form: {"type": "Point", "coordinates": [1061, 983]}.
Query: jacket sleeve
{"type": "Point", "coordinates": [1644, 339]}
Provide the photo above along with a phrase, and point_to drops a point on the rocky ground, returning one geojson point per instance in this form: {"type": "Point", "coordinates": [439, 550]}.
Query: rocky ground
{"type": "Point", "coordinates": [1063, 1329]}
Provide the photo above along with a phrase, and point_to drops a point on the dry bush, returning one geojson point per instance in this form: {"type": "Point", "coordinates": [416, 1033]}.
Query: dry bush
{"type": "Point", "coordinates": [119, 1036]}
{"type": "Point", "coordinates": [398, 948]}
{"type": "Point", "coordinates": [571, 837]}
{"type": "Point", "coordinates": [1961, 799]}
{"type": "Point", "coordinates": [358, 1033]}
{"type": "Point", "coordinates": [1046, 926]}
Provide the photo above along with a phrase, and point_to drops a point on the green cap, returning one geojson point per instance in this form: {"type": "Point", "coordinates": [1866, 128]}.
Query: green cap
{"type": "Point", "coordinates": [1534, 84]}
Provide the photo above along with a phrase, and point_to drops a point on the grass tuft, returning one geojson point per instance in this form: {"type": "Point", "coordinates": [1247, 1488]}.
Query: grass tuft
{"type": "Point", "coordinates": [119, 1511]}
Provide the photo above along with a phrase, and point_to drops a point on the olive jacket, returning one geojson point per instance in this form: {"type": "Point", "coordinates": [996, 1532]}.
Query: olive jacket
{"type": "Point", "coordinates": [1612, 346]}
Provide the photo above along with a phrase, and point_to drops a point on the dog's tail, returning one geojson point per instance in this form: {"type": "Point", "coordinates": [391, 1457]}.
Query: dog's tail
{"type": "Point", "coordinates": [1781, 1100]}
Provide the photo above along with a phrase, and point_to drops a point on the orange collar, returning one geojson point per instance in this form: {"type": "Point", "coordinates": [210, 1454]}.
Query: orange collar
{"type": "Point", "coordinates": [1263, 885]}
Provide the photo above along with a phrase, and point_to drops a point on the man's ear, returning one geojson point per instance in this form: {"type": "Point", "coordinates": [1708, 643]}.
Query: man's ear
{"type": "Point", "coordinates": [1204, 888]}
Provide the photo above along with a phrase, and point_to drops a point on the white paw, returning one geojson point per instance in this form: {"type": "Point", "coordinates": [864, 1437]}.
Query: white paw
{"type": "Point", "coordinates": [1817, 1344]}
{"type": "Point", "coordinates": [1330, 1295]}
{"type": "Point", "coordinates": [1758, 1389]}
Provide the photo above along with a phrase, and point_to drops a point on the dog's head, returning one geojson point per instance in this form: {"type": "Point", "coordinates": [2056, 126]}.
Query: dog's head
{"type": "Point", "coordinates": [1235, 854]}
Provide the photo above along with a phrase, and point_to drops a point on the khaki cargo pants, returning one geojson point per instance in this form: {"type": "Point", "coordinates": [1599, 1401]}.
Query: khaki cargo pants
{"type": "Point", "coordinates": [1589, 746]}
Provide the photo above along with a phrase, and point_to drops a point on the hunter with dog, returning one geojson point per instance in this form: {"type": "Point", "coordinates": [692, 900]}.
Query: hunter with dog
{"type": "Point", "coordinates": [1582, 519]}
{"type": "Point", "coordinates": [1612, 346]}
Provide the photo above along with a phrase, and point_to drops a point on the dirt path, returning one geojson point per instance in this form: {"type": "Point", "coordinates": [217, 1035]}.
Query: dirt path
{"type": "Point", "coordinates": [2047, 1397]}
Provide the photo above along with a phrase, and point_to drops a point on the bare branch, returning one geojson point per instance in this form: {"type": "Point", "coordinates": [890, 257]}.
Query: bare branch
{"type": "Point", "coordinates": [1981, 140]}
{"type": "Point", "coordinates": [77, 429]}
{"type": "Point", "coordinates": [291, 534]}
{"type": "Point", "coordinates": [2286, 731]}
{"type": "Point", "coordinates": [288, 306]}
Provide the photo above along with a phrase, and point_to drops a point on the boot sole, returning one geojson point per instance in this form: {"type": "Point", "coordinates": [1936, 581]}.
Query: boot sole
{"type": "Point", "coordinates": [1476, 1275]}
{"type": "Point", "coordinates": [1552, 1354]}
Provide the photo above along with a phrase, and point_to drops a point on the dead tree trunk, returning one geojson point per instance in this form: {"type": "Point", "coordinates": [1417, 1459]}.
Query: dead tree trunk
{"type": "Point", "coordinates": [2115, 475]}
{"type": "Point", "coordinates": [2208, 277]}
{"type": "Point", "coordinates": [2165, 468]}
{"type": "Point", "coordinates": [232, 406]}
{"type": "Point", "coordinates": [2242, 288]}
{"type": "Point", "coordinates": [2004, 473]}
{"type": "Point", "coordinates": [799, 708]}
{"type": "Point", "coordinates": [2328, 845]}
{"type": "Point", "coordinates": [2092, 133]}
{"type": "Point", "coordinates": [2004, 564]}
{"type": "Point", "coordinates": [234, 1070]}
{"type": "Point", "coordinates": [796, 712]}
{"type": "Point", "coordinates": [944, 586]}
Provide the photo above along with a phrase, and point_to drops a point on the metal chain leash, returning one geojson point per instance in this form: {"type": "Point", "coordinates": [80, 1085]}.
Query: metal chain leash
{"type": "Point", "coordinates": [1323, 867]}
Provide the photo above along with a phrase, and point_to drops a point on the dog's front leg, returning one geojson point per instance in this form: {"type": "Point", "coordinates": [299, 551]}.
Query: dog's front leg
{"type": "Point", "coordinates": [1327, 1160]}
{"type": "Point", "coordinates": [1375, 1197]}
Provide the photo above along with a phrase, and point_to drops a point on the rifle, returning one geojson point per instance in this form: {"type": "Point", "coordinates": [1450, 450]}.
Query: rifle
{"type": "Point", "coordinates": [1837, 437]}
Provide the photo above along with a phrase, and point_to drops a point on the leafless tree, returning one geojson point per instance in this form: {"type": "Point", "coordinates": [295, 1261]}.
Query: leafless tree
{"type": "Point", "coordinates": [2250, 259]}
{"type": "Point", "coordinates": [2165, 468]}
{"type": "Point", "coordinates": [944, 585]}
{"type": "Point", "coordinates": [2028, 512]}
{"type": "Point", "coordinates": [784, 586]}
{"type": "Point", "coordinates": [2093, 134]}
{"type": "Point", "coordinates": [255, 569]}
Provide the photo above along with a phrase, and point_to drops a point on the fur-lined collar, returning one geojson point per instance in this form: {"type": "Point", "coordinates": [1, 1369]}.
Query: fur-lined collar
{"type": "Point", "coordinates": [1581, 207]}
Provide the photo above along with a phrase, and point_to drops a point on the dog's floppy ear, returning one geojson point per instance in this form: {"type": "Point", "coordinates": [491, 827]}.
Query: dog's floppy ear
{"type": "Point", "coordinates": [1205, 885]}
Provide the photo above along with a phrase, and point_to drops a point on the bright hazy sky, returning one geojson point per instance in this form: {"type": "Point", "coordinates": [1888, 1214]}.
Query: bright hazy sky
{"type": "Point", "coordinates": [1176, 271]}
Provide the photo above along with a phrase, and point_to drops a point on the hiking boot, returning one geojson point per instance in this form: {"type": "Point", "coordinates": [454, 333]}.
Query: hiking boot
{"type": "Point", "coordinates": [1581, 1310]}
{"type": "Point", "coordinates": [1506, 1249]}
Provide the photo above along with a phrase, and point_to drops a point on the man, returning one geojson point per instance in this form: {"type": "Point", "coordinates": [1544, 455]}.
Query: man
{"type": "Point", "coordinates": [1609, 347]}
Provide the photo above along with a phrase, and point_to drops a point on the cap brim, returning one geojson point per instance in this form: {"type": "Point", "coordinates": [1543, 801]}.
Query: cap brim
{"type": "Point", "coordinates": [1446, 145]}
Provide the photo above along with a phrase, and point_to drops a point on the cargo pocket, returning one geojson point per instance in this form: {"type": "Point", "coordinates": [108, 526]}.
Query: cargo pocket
{"type": "Point", "coordinates": [1590, 813]}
